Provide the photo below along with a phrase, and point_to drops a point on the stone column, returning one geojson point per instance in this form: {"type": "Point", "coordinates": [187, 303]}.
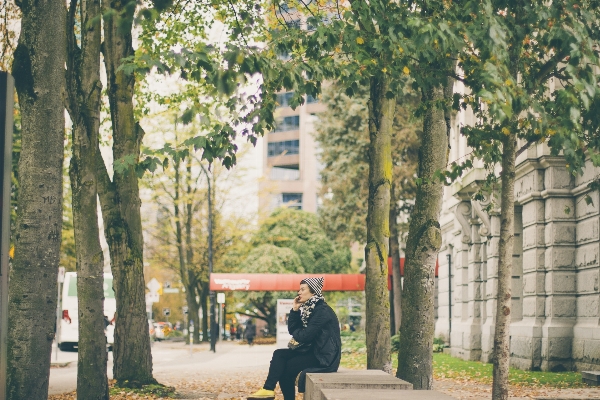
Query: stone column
{"type": "Point", "coordinates": [490, 285]}
{"type": "Point", "coordinates": [560, 283]}
{"type": "Point", "coordinates": [460, 312]}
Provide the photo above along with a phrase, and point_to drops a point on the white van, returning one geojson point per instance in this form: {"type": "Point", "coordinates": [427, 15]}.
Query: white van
{"type": "Point", "coordinates": [68, 333]}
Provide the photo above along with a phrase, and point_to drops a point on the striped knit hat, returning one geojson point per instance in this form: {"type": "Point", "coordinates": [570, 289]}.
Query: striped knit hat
{"type": "Point", "coordinates": [316, 284]}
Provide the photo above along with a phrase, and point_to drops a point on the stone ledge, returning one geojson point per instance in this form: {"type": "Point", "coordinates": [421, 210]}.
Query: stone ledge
{"type": "Point", "coordinates": [355, 380]}
{"type": "Point", "coordinates": [592, 378]}
{"type": "Point", "coordinates": [362, 394]}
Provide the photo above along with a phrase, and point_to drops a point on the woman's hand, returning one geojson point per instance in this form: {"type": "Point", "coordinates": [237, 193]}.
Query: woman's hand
{"type": "Point", "coordinates": [297, 303]}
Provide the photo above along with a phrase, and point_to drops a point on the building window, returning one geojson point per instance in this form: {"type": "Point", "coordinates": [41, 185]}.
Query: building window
{"type": "Point", "coordinates": [310, 99]}
{"type": "Point", "coordinates": [284, 174]}
{"type": "Point", "coordinates": [293, 24]}
{"type": "Point", "coordinates": [287, 124]}
{"type": "Point", "coordinates": [292, 200]}
{"type": "Point", "coordinates": [288, 147]}
{"type": "Point", "coordinates": [283, 99]}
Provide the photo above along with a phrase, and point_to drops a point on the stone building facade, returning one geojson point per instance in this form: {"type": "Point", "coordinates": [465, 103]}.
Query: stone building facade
{"type": "Point", "coordinates": [556, 265]}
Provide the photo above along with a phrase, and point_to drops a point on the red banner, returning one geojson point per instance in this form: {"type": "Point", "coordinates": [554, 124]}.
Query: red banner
{"type": "Point", "coordinates": [284, 282]}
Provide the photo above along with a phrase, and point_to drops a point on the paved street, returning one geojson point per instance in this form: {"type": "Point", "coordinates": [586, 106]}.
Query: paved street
{"type": "Point", "coordinates": [175, 366]}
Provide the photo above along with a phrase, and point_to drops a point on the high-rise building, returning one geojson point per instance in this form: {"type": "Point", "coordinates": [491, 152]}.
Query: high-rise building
{"type": "Point", "coordinates": [291, 169]}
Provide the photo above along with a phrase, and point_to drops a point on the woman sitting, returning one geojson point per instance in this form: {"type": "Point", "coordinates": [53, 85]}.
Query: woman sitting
{"type": "Point", "coordinates": [315, 345]}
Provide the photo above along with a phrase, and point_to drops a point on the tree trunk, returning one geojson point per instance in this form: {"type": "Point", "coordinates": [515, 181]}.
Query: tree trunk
{"type": "Point", "coordinates": [84, 91]}
{"type": "Point", "coordinates": [120, 201]}
{"type": "Point", "coordinates": [395, 254]}
{"type": "Point", "coordinates": [501, 355]}
{"type": "Point", "coordinates": [204, 305]}
{"type": "Point", "coordinates": [415, 358]}
{"type": "Point", "coordinates": [38, 70]}
{"type": "Point", "coordinates": [381, 114]}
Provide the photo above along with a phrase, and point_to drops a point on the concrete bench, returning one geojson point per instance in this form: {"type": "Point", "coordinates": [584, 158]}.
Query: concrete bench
{"type": "Point", "coordinates": [592, 378]}
{"type": "Point", "coordinates": [383, 394]}
{"type": "Point", "coordinates": [354, 380]}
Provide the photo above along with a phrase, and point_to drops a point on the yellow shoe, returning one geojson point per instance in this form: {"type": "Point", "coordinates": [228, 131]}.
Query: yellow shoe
{"type": "Point", "coordinates": [262, 394]}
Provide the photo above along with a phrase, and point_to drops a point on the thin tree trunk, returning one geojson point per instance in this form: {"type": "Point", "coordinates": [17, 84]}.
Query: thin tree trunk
{"type": "Point", "coordinates": [381, 114]}
{"type": "Point", "coordinates": [189, 253]}
{"type": "Point", "coordinates": [204, 305]}
{"type": "Point", "coordinates": [501, 357]}
{"type": "Point", "coordinates": [84, 91]}
{"type": "Point", "coordinates": [395, 254]}
{"type": "Point", "coordinates": [415, 358]}
{"type": "Point", "coordinates": [38, 70]}
{"type": "Point", "coordinates": [121, 202]}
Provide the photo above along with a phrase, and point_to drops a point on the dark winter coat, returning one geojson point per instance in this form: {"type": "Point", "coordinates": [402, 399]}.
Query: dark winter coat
{"type": "Point", "coordinates": [323, 332]}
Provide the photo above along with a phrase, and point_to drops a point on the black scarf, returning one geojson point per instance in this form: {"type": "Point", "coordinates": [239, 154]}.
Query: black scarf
{"type": "Point", "coordinates": [307, 308]}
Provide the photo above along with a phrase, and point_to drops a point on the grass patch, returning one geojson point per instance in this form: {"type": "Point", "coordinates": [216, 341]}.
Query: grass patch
{"type": "Point", "coordinates": [354, 356]}
{"type": "Point", "coordinates": [155, 390]}
{"type": "Point", "coordinates": [446, 366]}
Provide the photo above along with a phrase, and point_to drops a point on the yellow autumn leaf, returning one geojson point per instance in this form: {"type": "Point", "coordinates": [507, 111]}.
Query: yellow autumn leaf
{"type": "Point", "coordinates": [406, 70]}
{"type": "Point", "coordinates": [505, 131]}
{"type": "Point", "coordinates": [240, 58]}
{"type": "Point", "coordinates": [384, 70]}
{"type": "Point", "coordinates": [400, 49]}
{"type": "Point", "coordinates": [360, 40]}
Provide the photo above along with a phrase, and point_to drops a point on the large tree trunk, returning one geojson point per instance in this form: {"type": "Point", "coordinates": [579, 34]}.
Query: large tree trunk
{"type": "Point", "coordinates": [395, 254]}
{"type": "Point", "coordinates": [120, 201]}
{"type": "Point", "coordinates": [84, 91]}
{"type": "Point", "coordinates": [38, 69]}
{"type": "Point", "coordinates": [415, 358]}
{"type": "Point", "coordinates": [501, 357]}
{"type": "Point", "coordinates": [381, 114]}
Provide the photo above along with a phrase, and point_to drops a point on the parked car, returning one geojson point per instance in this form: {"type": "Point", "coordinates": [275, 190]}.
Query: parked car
{"type": "Point", "coordinates": [162, 330]}
{"type": "Point", "coordinates": [67, 336]}
{"type": "Point", "coordinates": [151, 329]}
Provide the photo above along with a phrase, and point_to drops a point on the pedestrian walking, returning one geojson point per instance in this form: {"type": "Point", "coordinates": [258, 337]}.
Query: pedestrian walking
{"type": "Point", "coordinates": [250, 332]}
{"type": "Point", "coordinates": [315, 345]}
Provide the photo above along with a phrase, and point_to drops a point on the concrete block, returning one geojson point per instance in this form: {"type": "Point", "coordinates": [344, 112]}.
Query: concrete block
{"type": "Point", "coordinates": [365, 379]}
{"type": "Point", "coordinates": [587, 256]}
{"type": "Point", "coordinates": [562, 306]}
{"type": "Point", "coordinates": [345, 394]}
{"type": "Point", "coordinates": [587, 281]}
{"type": "Point", "coordinates": [556, 209]}
{"type": "Point", "coordinates": [533, 212]}
{"type": "Point", "coordinates": [559, 257]}
{"type": "Point", "coordinates": [588, 305]}
{"type": "Point", "coordinates": [577, 349]}
{"type": "Point", "coordinates": [560, 282]}
{"type": "Point", "coordinates": [558, 178]}
{"type": "Point", "coordinates": [592, 378]}
{"type": "Point", "coordinates": [560, 233]}
{"type": "Point", "coordinates": [591, 351]}
{"type": "Point", "coordinates": [582, 209]}
{"type": "Point", "coordinates": [520, 346]}
{"type": "Point", "coordinates": [559, 348]}
{"type": "Point", "coordinates": [587, 230]}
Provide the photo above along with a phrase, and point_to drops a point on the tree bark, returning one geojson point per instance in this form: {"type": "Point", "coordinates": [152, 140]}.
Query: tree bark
{"type": "Point", "coordinates": [84, 91]}
{"type": "Point", "coordinates": [501, 355]}
{"type": "Point", "coordinates": [415, 358]}
{"type": "Point", "coordinates": [204, 304]}
{"type": "Point", "coordinates": [38, 69]}
{"type": "Point", "coordinates": [121, 202]}
{"type": "Point", "coordinates": [395, 254]}
{"type": "Point", "coordinates": [381, 114]}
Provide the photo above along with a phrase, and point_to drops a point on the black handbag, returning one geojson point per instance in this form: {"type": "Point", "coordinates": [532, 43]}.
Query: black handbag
{"type": "Point", "coordinates": [298, 347]}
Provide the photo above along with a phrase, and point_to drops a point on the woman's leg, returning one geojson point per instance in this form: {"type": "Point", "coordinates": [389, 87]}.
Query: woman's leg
{"type": "Point", "coordinates": [293, 367]}
{"type": "Point", "coordinates": [277, 367]}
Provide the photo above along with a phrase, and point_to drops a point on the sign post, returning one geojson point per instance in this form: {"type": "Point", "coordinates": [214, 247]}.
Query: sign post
{"type": "Point", "coordinates": [6, 128]}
